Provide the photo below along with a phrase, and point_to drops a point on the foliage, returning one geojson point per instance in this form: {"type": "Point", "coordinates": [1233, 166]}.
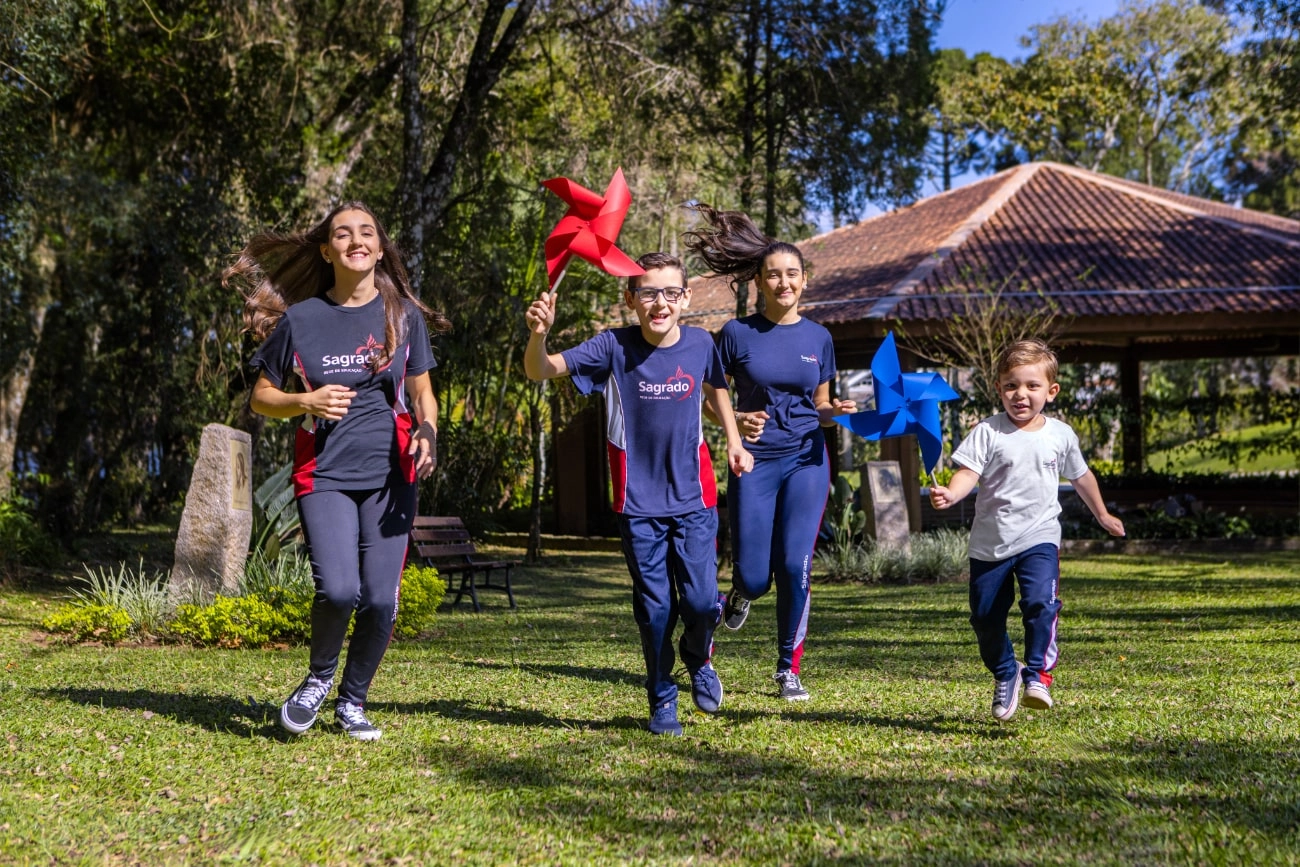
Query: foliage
{"type": "Point", "coordinates": [88, 621]}
{"type": "Point", "coordinates": [284, 582]}
{"type": "Point", "coordinates": [1152, 94]}
{"type": "Point", "coordinates": [233, 621]}
{"type": "Point", "coordinates": [422, 592]}
{"type": "Point", "coordinates": [22, 540]}
{"type": "Point", "coordinates": [276, 521]}
{"type": "Point", "coordinates": [145, 598]}
{"type": "Point", "coordinates": [939, 555]}
{"type": "Point", "coordinates": [843, 515]}
{"type": "Point", "coordinates": [814, 102]}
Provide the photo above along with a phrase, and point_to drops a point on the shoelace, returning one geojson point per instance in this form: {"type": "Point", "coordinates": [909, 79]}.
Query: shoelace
{"type": "Point", "coordinates": [791, 680]}
{"type": "Point", "coordinates": [313, 693]}
{"type": "Point", "coordinates": [352, 714]}
{"type": "Point", "coordinates": [1004, 690]}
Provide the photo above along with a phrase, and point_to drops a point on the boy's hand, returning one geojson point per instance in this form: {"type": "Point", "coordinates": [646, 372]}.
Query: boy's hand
{"type": "Point", "coordinates": [739, 460]}
{"type": "Point", "coordinates": [940, 498]}
{"type": "Point", "coordinates": [540, 315]}
{"type": "Point", "coordinates": [751, 424]}
{"type": "Point", "coordinates": [1111, 524]}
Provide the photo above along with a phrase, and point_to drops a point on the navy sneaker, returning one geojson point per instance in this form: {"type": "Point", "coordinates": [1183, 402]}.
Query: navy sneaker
{"type": "Point", "coordinates": [299, 710]}
{"type": "Point", "coordinates": [1006, 696]}
{"type": "Point", "coordinates": [352, 719]}
{"type": "Point", "coordinates": [663, 720]}
{"type": "Point", "coordinates": [735, 611]}
{"type": "Point", "coordinates": [706, 689]}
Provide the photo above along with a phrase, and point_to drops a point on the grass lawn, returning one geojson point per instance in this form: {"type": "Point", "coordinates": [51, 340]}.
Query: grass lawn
{"type": "Point", "coordinates": [1186, 459]}
{"type": "Point", "coordinates": [518, 737]}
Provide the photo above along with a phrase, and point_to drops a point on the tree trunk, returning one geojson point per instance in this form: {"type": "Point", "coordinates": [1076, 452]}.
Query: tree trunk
{"type": "Point", "coordinates": [17, 378]}
{"type": "Point", "coordinates": [487, 62]}
{"type": "Point", "coordinates": [538, 433]}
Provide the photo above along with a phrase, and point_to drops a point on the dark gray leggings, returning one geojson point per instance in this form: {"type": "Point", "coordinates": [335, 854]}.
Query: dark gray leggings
{"type": "Point", "coordinates": [357, 543]}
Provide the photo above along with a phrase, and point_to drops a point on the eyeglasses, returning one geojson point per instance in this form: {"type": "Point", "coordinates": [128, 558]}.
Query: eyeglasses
{"type": "Point", "coordinates": [672, 294]}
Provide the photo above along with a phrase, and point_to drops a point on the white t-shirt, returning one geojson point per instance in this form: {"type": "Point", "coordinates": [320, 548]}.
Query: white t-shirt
{"type": "Point", "coordinates": [1020, 475]}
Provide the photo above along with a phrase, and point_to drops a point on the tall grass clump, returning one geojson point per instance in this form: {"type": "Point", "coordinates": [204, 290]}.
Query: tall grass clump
{"type": "Point", "coordinates": [132, 600]}
{"type": "Point", "coordinates": [940, 555]}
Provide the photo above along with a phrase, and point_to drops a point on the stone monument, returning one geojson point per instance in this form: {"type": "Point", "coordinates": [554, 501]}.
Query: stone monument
{"type": "Point", "coordinates": [217, 521]}
{"type": "Point", "coordinates": [884, 502]}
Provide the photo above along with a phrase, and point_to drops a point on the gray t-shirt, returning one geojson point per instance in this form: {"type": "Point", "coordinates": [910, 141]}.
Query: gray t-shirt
{"type": "Point", "coordinates": [1020, 475]}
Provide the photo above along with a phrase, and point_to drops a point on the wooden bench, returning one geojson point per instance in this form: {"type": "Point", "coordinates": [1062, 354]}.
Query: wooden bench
{"type": "Point", "coordinates": [444, 544]}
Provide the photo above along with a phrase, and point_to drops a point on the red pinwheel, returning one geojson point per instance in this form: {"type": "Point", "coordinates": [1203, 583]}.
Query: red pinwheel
{"type": "Point", "coordinates": [589, 228]}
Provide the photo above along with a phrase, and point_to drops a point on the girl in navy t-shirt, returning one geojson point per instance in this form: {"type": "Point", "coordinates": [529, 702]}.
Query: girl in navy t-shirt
{"type": "Point", "coordinates": [781, 366]}
{"type": "Point", "coordinates": [344, 344]}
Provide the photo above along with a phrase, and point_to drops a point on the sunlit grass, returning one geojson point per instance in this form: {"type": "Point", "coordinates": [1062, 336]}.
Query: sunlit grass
{"type": "Point", "coordinates": [518, 737]}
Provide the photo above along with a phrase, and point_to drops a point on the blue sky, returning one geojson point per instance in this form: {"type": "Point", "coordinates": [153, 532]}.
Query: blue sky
{"type": "Point", "coordinates": [997, 25]}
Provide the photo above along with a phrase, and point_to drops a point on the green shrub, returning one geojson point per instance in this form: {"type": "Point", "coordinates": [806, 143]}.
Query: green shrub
{"type": "Point", "coordinates": [145, 598]}
{"type": "Point", "coordinates": [22, 540]}
{"type": "Point", "coordinates": [88, 621]}
{"type": "Point", "coordinates": [232, 621]}
{"type": "Point", "coordinates": [422, 592]}
{"type": "Point", "coordinates": [940, 555]}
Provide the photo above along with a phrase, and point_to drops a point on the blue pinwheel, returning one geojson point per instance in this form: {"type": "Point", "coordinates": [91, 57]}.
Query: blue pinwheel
{"type": "Point", "coordinates": [906, 403]}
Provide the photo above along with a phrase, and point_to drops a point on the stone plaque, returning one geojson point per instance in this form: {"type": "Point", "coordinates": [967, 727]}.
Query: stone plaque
{"type": "Point", "coordinates": [884, 502]}
{"type": "Point", "coordinates": [217, 521]}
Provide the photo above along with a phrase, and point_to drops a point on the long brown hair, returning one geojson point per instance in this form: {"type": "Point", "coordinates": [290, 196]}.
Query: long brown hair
{"type": "Point", "coordinates": [275, 271]}
{"type": "Point", "coordinates": [731, 244]}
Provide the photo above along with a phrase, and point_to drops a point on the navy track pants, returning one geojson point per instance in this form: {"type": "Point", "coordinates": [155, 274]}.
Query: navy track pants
{"type": "Point", "coordinates": [357, 543]}
{"type": "Point", "coordinates": [992, 589]}
{"type": "Point", "coordinates": [674, 575]}
{"type": "Point", "coordinates": [775, 514]}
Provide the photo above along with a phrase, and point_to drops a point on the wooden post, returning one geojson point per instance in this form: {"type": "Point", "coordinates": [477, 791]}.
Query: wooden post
{"type": "Point", "coordinates": [1131, 437]}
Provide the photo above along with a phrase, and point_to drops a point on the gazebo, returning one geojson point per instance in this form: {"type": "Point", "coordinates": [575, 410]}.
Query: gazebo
{"type": "Point", "coordinates": [1135, 272]}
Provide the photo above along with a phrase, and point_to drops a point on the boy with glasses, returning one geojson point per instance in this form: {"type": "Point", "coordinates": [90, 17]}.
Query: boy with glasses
{"type": "Point", "coordinates": [656, 378]}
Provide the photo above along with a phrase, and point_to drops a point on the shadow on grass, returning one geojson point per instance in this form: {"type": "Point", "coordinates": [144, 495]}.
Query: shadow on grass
{"type": "Point", "coordinates": [217, 713]}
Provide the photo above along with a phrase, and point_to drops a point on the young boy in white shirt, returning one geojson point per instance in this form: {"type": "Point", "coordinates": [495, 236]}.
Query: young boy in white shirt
{"type": "Point", "coordinates": [1017, 458]}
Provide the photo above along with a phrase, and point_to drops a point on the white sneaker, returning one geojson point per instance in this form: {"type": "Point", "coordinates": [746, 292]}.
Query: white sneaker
{"type": "Point", "coordinates": [1037, 695]}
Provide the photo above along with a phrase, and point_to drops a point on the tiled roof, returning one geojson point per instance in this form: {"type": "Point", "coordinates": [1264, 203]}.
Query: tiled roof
{"type": "Point", "coordinates": [1097, 246]}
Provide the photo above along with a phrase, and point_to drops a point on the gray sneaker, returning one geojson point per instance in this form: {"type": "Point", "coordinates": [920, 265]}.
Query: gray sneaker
{"type": "Point", "coordinates": [1006, 696]}
{"type": "Point", "coordinates": [299, 710]}
{"type": "Point", "coordinates": [735, 611]}
{"type": "Point", "coordinates": [790, 687]}
{"type": "Point", "coordinates": [352, 719]}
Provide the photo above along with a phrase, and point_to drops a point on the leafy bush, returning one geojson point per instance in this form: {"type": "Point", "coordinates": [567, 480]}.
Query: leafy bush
{"type": "Point", "coordinates": [88, 621]}
{"type": "Point", "coordinates": [232, 621]}
{"type": "Point", "coordinates": [940, 555]}
{"type": "Point", "coordinates": [422, 592]}
{"type": "Point", "coordinates": [22, 540]}
{"type": "Point", "coordinates": [145, 598]}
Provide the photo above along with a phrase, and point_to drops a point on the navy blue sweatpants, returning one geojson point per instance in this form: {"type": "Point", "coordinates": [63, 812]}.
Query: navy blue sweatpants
{"type": "Point", "coordinates": [674, 574]}
{"type": "Point", "coordinates": [775, 512]}
{"type": "Point", "coordinates": [992, 588]}
{"type": "Point", "coordinates": [357, 544]}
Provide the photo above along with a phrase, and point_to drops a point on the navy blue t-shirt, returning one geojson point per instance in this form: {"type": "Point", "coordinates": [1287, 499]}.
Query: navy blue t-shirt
{"type": "Point", "coordinates": [658, 460]}
{"type": "Point", "coordinates": [777, 368]}
{"type": "Point", "coordinates": [323, 343]}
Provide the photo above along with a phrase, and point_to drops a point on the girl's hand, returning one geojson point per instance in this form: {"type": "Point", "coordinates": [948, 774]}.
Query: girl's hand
{"type": "Point", "coordinates": [751, 424]}
{"type": "Point", "coordinates": [424, 446]}
{"type": "Point", "coordinates": [329, 402]}
{"type": "Point", "coordinates": [844, 407]}
{"type": "Point", "coordinates": [739, 460]}
{"type": "Point", "coordinates": [540, 315]}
